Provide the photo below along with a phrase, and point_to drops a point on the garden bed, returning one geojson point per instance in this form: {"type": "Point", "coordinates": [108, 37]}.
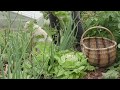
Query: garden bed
{"type": "Point", "coordinates": [22, 58]}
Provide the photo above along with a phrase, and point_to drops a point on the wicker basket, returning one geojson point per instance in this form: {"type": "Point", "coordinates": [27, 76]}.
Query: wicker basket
{"type": "Point", "coordinates": [100, 51]}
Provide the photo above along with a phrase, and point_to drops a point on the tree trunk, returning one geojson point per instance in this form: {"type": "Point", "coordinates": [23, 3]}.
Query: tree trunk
{"type": "Point", "coordinates": [55, 23]}
{"type": "Point", "coordinates": [78, 29]}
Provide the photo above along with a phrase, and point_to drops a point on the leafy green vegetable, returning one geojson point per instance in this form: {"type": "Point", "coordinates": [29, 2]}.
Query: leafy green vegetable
{"type": "Point", "coordinates": [70, 65]}
{"type": "Point", "coordinates": [111, 74]}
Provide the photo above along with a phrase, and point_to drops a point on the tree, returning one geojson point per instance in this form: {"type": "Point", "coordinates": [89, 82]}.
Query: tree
{"type": "Point", "coordinates": [55, 23]}
{"type": "Point", "coordinates": [78, 29]}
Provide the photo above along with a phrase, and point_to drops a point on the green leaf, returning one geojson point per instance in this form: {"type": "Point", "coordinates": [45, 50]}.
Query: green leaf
{"type": "Point", "coordinates": [119, 25]}
{"type": "Point", "coordinates": [60, 72]}
{"type": "Point", "coordinates": [79, 69]}
{"type": "Point", "coordinates": [69, 65]}
{"type": "Point", "coordinates": [111, 74]}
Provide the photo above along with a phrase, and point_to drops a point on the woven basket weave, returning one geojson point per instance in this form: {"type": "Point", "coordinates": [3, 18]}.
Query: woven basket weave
{"type": "Point", "coordinates": [100, 51]}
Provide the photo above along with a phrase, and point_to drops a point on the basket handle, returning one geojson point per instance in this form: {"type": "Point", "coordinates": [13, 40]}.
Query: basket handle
{"type": "Point", "coordinates": [113, 38]}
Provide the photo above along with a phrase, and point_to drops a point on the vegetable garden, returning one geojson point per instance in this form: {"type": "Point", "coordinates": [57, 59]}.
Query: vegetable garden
{"type": "Point", "coordinates": [23, 58]}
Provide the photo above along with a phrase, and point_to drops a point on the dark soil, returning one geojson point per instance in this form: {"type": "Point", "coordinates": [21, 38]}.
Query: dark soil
{"type": "Point", "coordinates": [97, 74]}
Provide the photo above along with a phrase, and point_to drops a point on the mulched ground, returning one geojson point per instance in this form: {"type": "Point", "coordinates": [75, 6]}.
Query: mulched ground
{"type": "Point", "coordinates": [97, 74]}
